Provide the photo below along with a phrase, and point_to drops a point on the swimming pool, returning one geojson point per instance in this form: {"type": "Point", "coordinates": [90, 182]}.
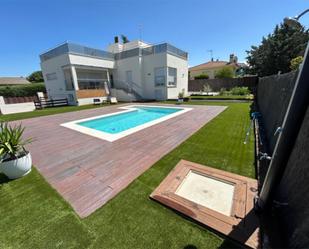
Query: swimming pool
{"type": "Point", "coordinates": [116, 125]}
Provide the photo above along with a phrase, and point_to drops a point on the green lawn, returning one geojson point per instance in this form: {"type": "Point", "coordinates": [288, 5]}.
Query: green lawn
{"type": "Point", "coordinates": [33, 215]}
{"type": "Point", "coordinates": [46, 111]}
{"type": "Point", "coordinates": [224, 97]}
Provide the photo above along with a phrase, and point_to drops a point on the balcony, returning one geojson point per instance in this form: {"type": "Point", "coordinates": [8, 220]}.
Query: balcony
{"type": "Point", "coordinates": [165, 48]}
{"type": "Point", "coordinates": [71, 48]}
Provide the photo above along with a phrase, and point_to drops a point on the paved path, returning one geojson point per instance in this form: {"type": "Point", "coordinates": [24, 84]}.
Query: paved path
{"type": "Point", "coordinates": [88, 171]}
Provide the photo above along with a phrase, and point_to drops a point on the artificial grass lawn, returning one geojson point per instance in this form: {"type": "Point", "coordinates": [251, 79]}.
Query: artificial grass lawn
{"type": "Point", "coordinates": [223, 97]}
{"type": "Point", "coordinates": [46, 111]}
{"type": "Point", "coordinates": [33, 215]}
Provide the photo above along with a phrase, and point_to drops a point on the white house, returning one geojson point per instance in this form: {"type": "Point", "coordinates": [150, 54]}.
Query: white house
{"type": "Point", "coordinates": [132, 71]}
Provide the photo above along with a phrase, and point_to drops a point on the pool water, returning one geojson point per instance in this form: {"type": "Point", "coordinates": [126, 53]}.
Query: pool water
{"type": "Point", "coordinates": [123, 121]}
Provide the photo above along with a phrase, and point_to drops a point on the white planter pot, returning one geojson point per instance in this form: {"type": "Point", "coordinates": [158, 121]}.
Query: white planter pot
{"type": "Point", "coordinates": [17, 168]}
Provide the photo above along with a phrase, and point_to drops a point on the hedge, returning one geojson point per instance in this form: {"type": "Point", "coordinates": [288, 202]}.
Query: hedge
{"type": "Point", "coordinates": [22, 90]}
{"type": "Point", "coordinates": [201, 76]}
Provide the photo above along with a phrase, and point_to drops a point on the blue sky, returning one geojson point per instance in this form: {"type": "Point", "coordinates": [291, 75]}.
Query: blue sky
{"type": "Point", "coordinates": [28, 28]}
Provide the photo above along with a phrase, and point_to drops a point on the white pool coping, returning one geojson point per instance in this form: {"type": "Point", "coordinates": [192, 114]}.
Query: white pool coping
{"type": "Point", "coordinates": [113, 137]}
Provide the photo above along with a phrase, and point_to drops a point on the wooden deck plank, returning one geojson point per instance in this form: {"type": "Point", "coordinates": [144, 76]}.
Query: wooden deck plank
{"type": "Point", "coordinates": [88, 171]}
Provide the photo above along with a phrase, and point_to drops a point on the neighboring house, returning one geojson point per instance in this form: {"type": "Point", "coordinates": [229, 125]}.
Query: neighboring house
{"type": "Point", "coordinates": [9, 81]}
{"type": "Point", "coordinates": [132, 71]}
{"type": "Point", "coordinates": [210, 68]}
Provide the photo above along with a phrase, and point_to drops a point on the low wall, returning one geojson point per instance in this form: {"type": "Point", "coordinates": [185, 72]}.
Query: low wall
{"type": "Point", "coordinates": [88, 101]}
{"type": "Point", "coordinates": [15, 108]}
{"type": "Point", "coordinates": [121, 95]}
{"type": "Point", "coordinates": [217, 84]}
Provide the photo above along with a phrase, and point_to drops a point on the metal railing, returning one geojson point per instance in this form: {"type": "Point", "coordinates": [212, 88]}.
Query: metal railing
{"type": "Point", "coordinates": [155, 49]}
{"type": "Point", "coordinates": [87, 51]}
{"type": "Point", "coordinates": [76, 49]}
{"type": "Point", "coordinates": [131, 87]}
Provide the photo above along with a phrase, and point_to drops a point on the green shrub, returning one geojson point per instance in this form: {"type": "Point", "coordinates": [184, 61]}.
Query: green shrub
{"type": "Point", "coordinates": [296, 62]}
{"type": "Point", "coordinates": [225, 72]}
{"type": "Point", "coordinates": [22, 91]}
{"type": "Point", "coordinates": [201, 76]}
{"type": "Point", "coordinates": [223, 91]}
{"type": "Point", "coordinates": [207, 89]}
{"type": "Point", "coordinates": [240, 91]}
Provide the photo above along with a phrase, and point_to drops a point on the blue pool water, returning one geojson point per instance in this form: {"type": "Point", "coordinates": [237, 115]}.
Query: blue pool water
{"type": "Point", "coordinates": [124, 121]}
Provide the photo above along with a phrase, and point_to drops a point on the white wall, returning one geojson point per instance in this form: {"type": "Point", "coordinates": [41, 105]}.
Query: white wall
{"type": "Point", "coordinates": [129, 64]}
{"type": "Point", "coordinates": [150, 62]}
{"type": "Point", "coordinates": [122, 95]}
{"type": "Point", "coordinates": [15, 108]}
{"type": "Point", "coordinates": [56, 88]}
{"type": "Point", "coordinates": [88, 101]}
{"type": "Point", "coordinates": [182, 76]}
{"type": "Point", "coordinates": [90, 61]}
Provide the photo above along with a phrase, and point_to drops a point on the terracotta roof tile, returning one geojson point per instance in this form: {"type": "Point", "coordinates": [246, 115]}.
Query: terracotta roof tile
{"type": "Point", "coordinates": [13, 81]}
{"type": "Point", "coordinates": [208, 65]}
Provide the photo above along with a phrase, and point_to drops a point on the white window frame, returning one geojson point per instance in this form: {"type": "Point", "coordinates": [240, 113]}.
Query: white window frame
{"type": "Point", "coordinates": [160, 80]}
{"type": "Point", "coordinates": [171, 79]}
{"type": "Point", "coordinates": [51, 76]}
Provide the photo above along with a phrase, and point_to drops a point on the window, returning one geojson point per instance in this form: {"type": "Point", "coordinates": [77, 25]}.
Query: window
{"type": "Point", "coordinates": [91, 79]}
{"type": "Point", "coordinates": [68, 80]}
{"type": "Point", "coordinates": [172, 77]}
{"type": "Point", "coordinates": [159, 76]}
{"type": "Point", "coordinates": [51, 76]}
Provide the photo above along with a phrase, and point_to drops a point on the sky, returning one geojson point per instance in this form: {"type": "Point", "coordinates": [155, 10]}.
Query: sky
{"type": "Point", "coordinates": [31, 27]}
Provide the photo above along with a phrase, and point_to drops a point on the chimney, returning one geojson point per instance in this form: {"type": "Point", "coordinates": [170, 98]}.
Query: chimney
{"type": "Point", "coordinates": [116, 39]}
{"type": "Point", "coordinates": [233, 58]}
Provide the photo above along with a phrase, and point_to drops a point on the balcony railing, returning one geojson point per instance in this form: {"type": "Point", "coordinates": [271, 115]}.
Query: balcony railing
{"type": "Point", "coordinates": [86, 51]}
{"type": "Point", "coordinates": [155, 49]}
{"type": "Point", "coordinates": [76, 49]}
{"type": "Point", "coordinates": [165, 48]}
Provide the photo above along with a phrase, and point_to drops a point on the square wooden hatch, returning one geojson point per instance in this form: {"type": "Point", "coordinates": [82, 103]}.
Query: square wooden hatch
{"type": "Point", "coordinates": [221, 200]}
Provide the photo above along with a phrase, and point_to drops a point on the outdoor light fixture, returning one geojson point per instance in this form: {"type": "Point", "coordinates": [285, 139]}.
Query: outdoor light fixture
{"type": "Point", "coordinates": [293, 21]}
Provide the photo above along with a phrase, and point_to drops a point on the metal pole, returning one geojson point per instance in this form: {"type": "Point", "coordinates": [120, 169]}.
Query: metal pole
{"type": "Point", "coordinates": [301, 14]}
{"type": "Point", "coordinates": [291, 124]}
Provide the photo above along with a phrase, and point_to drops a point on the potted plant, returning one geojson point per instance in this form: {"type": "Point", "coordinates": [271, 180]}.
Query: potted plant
{"type": "Point", "coordinates": [15, 160]}
{"type": "Point", "coordinates": [181, 96]}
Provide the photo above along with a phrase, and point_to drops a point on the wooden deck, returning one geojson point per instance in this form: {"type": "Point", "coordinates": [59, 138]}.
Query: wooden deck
{"type": "Point", "coordinates": [241, 225]}
{"type": "Point", "coordinates": [88, 171]}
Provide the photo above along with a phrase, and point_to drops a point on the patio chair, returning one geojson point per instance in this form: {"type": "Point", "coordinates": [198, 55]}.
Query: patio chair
{"type": "Point", "coordinates": [113, 100]}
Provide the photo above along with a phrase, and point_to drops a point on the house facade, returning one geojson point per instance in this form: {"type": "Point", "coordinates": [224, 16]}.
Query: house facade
{"type": "Point", "coordinates": [212, 67]}
{"type": "Point", "coordinates": [132, 71]}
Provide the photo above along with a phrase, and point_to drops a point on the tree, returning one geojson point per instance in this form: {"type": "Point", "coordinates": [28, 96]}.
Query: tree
{"type": "Point", "coordinates": [207, 89]}
{"type": "Point", "coordinates": [294, 65]}
{"type": "Point", "coordinates": [225, 72]}
{"type": "Point", "coordinates": [276, 51]}
{"type": "Point", "coordinates": [35, 77]}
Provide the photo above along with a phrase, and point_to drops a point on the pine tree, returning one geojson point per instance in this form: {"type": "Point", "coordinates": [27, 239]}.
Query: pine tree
{"type": "Point", "coordinates": [276, 51]}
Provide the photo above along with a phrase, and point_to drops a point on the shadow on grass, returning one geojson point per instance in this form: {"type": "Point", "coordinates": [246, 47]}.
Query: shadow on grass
{"type": "Point", "coordinates": [190, 247]}
{"type": "Point", "coordinates": [4, 179]}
